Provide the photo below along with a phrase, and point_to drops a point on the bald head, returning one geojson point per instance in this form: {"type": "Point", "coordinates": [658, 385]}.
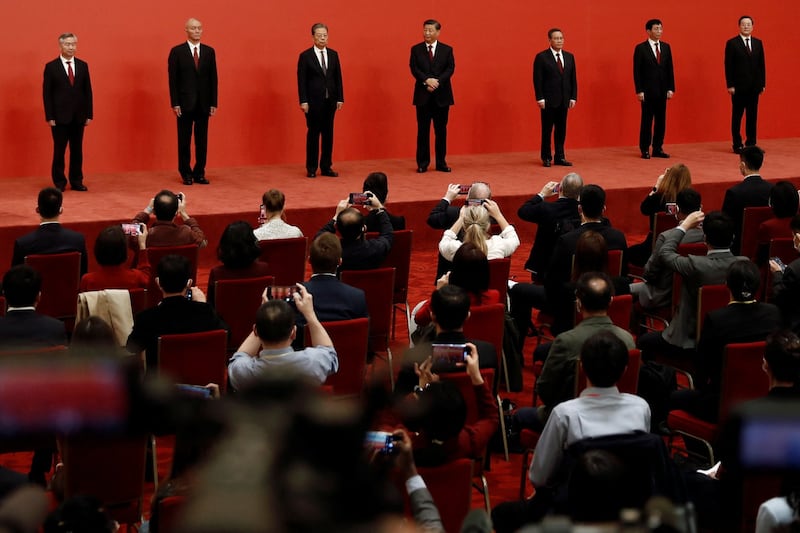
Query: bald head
{"type": "Point", "coordinates": [194, 30]}
{"type": "Point", "coordinates": [479, 191]}
{"type": "Point", "coordinates": [571, 185]}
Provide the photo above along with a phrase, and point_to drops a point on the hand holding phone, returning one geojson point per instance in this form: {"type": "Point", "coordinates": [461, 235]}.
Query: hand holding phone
{"type": "Point", "coordinates": [360, 198]}
{"type": "Point", "coordinates": [134, 230]}
{"type": "Point", "coordinates": [382, 442]}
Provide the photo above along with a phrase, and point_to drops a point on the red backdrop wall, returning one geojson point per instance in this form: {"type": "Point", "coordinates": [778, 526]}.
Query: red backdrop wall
{"type": "Point", "coordinates": [257, 44]}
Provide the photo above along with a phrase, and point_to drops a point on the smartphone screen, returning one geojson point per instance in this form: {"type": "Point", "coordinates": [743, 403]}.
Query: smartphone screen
{"type": "Point", "coordinates": [282, 292]}
{"type": "Point", "coordinates": [262, 214]}
{"type": "Point", "coordinates": [194, 390]}
{"type": "Point", "coordinates": [454, 354]}
{"type": "Point", "coordinates": [672, 208]}
{"type": "Point", "coordinates": [132, 229]}
{"type": "Point", "coordinates": [360, 198]}
{"type": "Point", "coordinates": [464, 189]}
{"type": "Point", "coordinates": [381, 441]}
{"type": "Point", "coordinates": [474, 201]}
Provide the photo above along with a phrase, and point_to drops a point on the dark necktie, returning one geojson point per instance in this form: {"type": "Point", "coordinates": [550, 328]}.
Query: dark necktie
{"type": "Point", "coordinates": [196, 59]}
{"type": "Point", "coordinates": [560, 64]}
{"type": "Point", "coordinates": [324, 65]}
{"type": "Point", "coordinates": [658, 54]}
{"type": "Point", "coordinates": [70, 73]}
{"type": "Point", "coordinates": [430, 52]}
{"type": "Point", "coordinates": [747, 44]}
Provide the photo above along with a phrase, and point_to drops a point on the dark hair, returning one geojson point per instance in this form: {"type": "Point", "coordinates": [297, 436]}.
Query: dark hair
{"type": "Point", "coordinates": [65, 36]}
{"type": "Point", "coordinates": [718, 228]}
{"type": "Point", "coordinates": [317, 26]}
{"type": "Point", "coordinates": [784, 199]}
{"type": "Point", "coordinates": [591, 254]}
{"type": "Point", "coordinates": [174, 272]}
{"type": "Point", "coordinates": [594, 290]}
{"type": "Point", "coordinates": [652, 22]}
{"type": "Point", "coordinates": [274, 321]}
{"type": "Point", "coordinates": [551, 31]}
{"type": "Point", "coordinates": [432, 22]}
{"type": "Point", "coordinates": [325, 253]}
{"type": "Point", "coordinates": [595, 485]}
{"type": "Point", "coordinates": [592, 201]}
{"type": "Point", "coordinates": [111, 246]}
{"type": "Point", "coordinates": [470, 270]}
{"type": "Point", "coordinates": [273, 200]}
{"type": "Point", "coordinates": [783, 355]}
{"type": "Point", "coordinates": [604, 357]}
{"type": "Point", "coordinates": [571, 185]}
{"type": "Point", "coordinates": [378, 184]}
{"type": "Point", "coordinates": [450, 307]}
{"type": "Point", "coordinates": [350, 223]}
{"type": "Point", "coordinates": [93, 336]}
{"type": "Point", "coordinates": [238, 246]}
{"type": "Point", "coordinates": [21, 286]}
{"type": "Point", "coordinates": [79, 514]}
{"type": "Point", "coordinates": [688, 201]}
{"type": "Point", "coordinates": [49, 202]}
{"type": "Point", "coordinates": [743, 280]}
{"type": "Point", "coordinates": [752, 157]}
{"type": "Point", "coordinates": [165, 205]}
{"type": "Point", "coordinates": [746, 17]}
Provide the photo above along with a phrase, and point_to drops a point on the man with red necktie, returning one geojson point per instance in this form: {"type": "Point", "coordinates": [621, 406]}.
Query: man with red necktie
{"type": "Point", "coordinates": [746, 79]}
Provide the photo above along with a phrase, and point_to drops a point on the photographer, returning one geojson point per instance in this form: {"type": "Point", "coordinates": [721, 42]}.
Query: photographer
{"type": "Point", "coordinates": [164, 232]}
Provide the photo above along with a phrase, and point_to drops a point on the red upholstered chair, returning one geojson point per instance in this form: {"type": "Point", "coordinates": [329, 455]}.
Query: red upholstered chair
{"type": "Point", "coordinates": [709, 298]}
{"type": "Point", "coordinates": [195, 358]}
{"type": "Point", "coordinates": [615, 263]}
{"type": "Point", "coordinates": [138, 300]}
{"type": "Point", "coordinates": [154, 255]}
{"type": "Point", "coordinates": [61, 275]}
{"type": "Point", "coordinates": [378, 286]}
{"type": "Point", "coordinates": [451, 487]}
{"type": "Point", "coordinates": [169, 511]}
{"type": "Point", "coordinates": [351, 339]}
{"type": "Point", "coordinates": [751, 220]}
{"type": "Point", "coordinates": [236, 302]}
{"type": "Point", "coordinates": [499, 270]}
{"type": "Point", "coordinates": [619, 311]}
{"type": "Point", "coordinates": [399, 258]}
{"type": "Point", "coordinates": [109, 468]}
{"type": "Point", "coordinates": [2, 306]}
{"type": "Point", "coordinates": [286, 259]}
{"type": "Point", "coordinates": [661, 223]}
{"type": "Point", "coordinates": [742, 380]}
{"type": "Point", "coordinates": [485, 323]}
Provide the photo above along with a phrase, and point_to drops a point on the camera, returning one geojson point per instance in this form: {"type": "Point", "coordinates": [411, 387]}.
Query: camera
{"type": "Point", "coordinates": [780, 263]}
{"type": "Point", "coordinates": [360, 198]}
{"type": "Point", "coordinates": [262, 214]}
{"type": "Point", "coordinates": [133, 230]}
{"type": "Point", "coordinates": [282, 292]}
{"type": "Point", "coordinates": [450, 354]}
{"type": "Point", "coordinates": [672, 208]}
{"type": "Point", "coordinates": [556, 187]}
{"type": "Point", "coordinates": [471, 202]}
{"type": "Point", "coordinates": [464, 189]}
{"type": "Point", "coordinates": [382, 441]}
{"type": "Point", "coordinates": [179, 196]}
{"type": "Point", "coordinates": [194, 391]}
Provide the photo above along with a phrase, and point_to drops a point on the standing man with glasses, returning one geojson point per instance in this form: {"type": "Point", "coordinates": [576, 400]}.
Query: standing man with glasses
{"type": "Point", "coordinates": [67, 94]}
{"type": "Point", "coordinates": [319, 84]}
{"type": "Point", "coordinates": [746, 79]}
{"type": "Point", "coordinates": [193, 96]}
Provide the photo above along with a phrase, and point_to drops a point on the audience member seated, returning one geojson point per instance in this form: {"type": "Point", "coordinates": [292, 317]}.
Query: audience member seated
{"type": "Point", "coordinates": [786, 283]}
{"type": "Point", "coordinates": [269, 347]}
{"type": "Point", "coordinates": [111, 253]}
{"type": "Point", "coordinates": [471, 273]}
{"type": "Point", "coordinates": [359, 253]}
{"type": "Point", "coordinates": [273, 225]}
{"type": "Point", "coordinates": [556, 383]}
{"type": "Point", "coordinates": [94, 337]}
{"type": "Point", "coordinates": [695, 271]}
{"type": "Point", "coordinates": [780, 514]}
{"type": "Point", "coordinates": [444, 214]}
{"type": "Point", "coordinates": [600, 410]}
{"type": "Point", "coordinates": [744, 319]}
{"type": "Point", "coordinates": [674, 180]}
{"type": "Point", "coordinates": [475, 222]}
{"type": "Point", "coordinates": [50, 237]}
{"type": "Point", "coordinates": [448, 310]}
{"type": "Point", "coordinates": [753, 191]}
{"type": "Point", "coordinates": [183, 309]}
{"type": "Point", "coordinates": [378, 184]}
{"type": "Point", "coordinates": [783, 199]}
{"type": "Point", "coordinates": [552, 220]}
{"type": "Point", "coordinates": [164, 232]}
{"type": "Point", "coordinates": [656, 291]}
{"type": "Point", "coordinates": [239, 252]}
{"type": "Point", "coordinates": [22, 327]}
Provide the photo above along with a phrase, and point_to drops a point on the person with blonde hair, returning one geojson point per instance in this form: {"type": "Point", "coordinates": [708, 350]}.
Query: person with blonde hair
{"type": "Point", "coordinates": [474, 221]}
{"type": "Point", "coordinates": [273, 219]}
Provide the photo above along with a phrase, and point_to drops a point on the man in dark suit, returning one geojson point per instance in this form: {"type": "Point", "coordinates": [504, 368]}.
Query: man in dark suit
{"type": "Point", "coordinates": [654, 80]}
{"type": "Point", "coordinates": [67, 94]}
{"type": "Point", "coordinates": [50, 237]}
{"type": "Point", "coordinates": [753, 191]}
{"type": "Point", "coordinates": [23, 327]}
{"type": "Point", "coordinates": [319, 83]}
{"type": "Point", "coordinates": [359, 253]}
{"type": "Point", "coordinates": [556, 87]}
{"type": "Point", "coordinates": [786, 283]}
{"type": "Point", "coordinates": [432, 65]}
{"type": "Point", "coordinates": [192, 71]}
{"type": "Point", "coordinates": [746, 79]}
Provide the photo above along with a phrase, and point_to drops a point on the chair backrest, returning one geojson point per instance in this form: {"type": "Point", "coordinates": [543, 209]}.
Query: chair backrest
{"type": "Point", "coordinates": [61, 277]}
{"type": "Point", "coordinates": [378, 286]}
{"type": "Point", "coordinates": [613, 268]}
{"type": "Point", "coordinates": [661, 223]}
{"type": "Point", "coordinates": [751, 220]}
{"type": "Point", "coordinates": [619, 311]}
{"type": "Point", "coordinates": [138, 300]}
{"type": "Point", "coordinates": [236, 302]}
{"type": "Point", "coordinates": [451, 487]}
{"type": "Point", "coordinates": [486, 323]}
{"type": "Point", "coordinates": [783, 248]}
{"type": "Point", "coordinates": [464, 384]}
{"type": "Point", "coordinates": [285, 258]}
{"type": "Point", "coordinates": [109, 468]}
{"type": "Point", "coordinates": [169, 511]}
{"type": "Point", "coordinates": [195, 358]}
{"type": "Point", "coordinates": [499, 270]}
{"type": "Point", "coordinates": [154, 255]}
{"type": "Point", "coordinates": [399, 258]}
{"type": "Point", "coordinates": [629, 382]}
{"type": "Point", "coordinates": [709, 298]}
{"type": "Point", "coordinates": [742, 377]}
{"type": "Point", "coordinates": [351, 340]}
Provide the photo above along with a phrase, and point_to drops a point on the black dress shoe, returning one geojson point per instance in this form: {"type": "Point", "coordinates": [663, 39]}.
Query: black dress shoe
{"type": "Point", "coordinates": [645, 155]}
{"type": "Point", "coordinates": [311, 174]}
{"type": "Point", "coordinates": [202, 180]}
{"type": "Point", "coordinates": [660, 153]}
{"type": "Point", "coordinates": [443, 169]}
{"type": "Point", "coordinates": [546, 163]}
{"type": "Point", "coordinates": [187, 180]}
{"type": "Point", "coordinates": [330, 173]}
{"type": "Point", "coordinates": [563, 163]}
{"type": "Point", "coordinates": [422, 170]}
{"type": "Point", "coordinates": [79, 187]}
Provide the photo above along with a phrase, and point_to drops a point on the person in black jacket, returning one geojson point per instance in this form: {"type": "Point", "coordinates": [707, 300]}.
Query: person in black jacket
{"type": "Point", "coordinates": [746, 79]}
{"type": "Point", "coordinates": [753, 191]}
{"type": "Point", "coordinates": [378, 184]}
{"type": "Point", "coordinates": [359, 253]}
{"type": "Point", "coordinates": [786, 283]}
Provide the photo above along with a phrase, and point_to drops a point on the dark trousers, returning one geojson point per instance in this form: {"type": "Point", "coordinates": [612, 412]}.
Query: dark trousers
{"type": "Point", "coordinates": [425, 114]}
{"type": "Point", "coordinates": [319, 121]}
{"type": "Point", "coordinates": [744, 104]}
{"type": "Point", "coordinates": [653, 125]}
{"type": "Point", "coordinates": [198, 120]}
{"type": "Point", "coordinates": [554, 118]}
{"type": "Point", "coordinates": [67, 134]}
